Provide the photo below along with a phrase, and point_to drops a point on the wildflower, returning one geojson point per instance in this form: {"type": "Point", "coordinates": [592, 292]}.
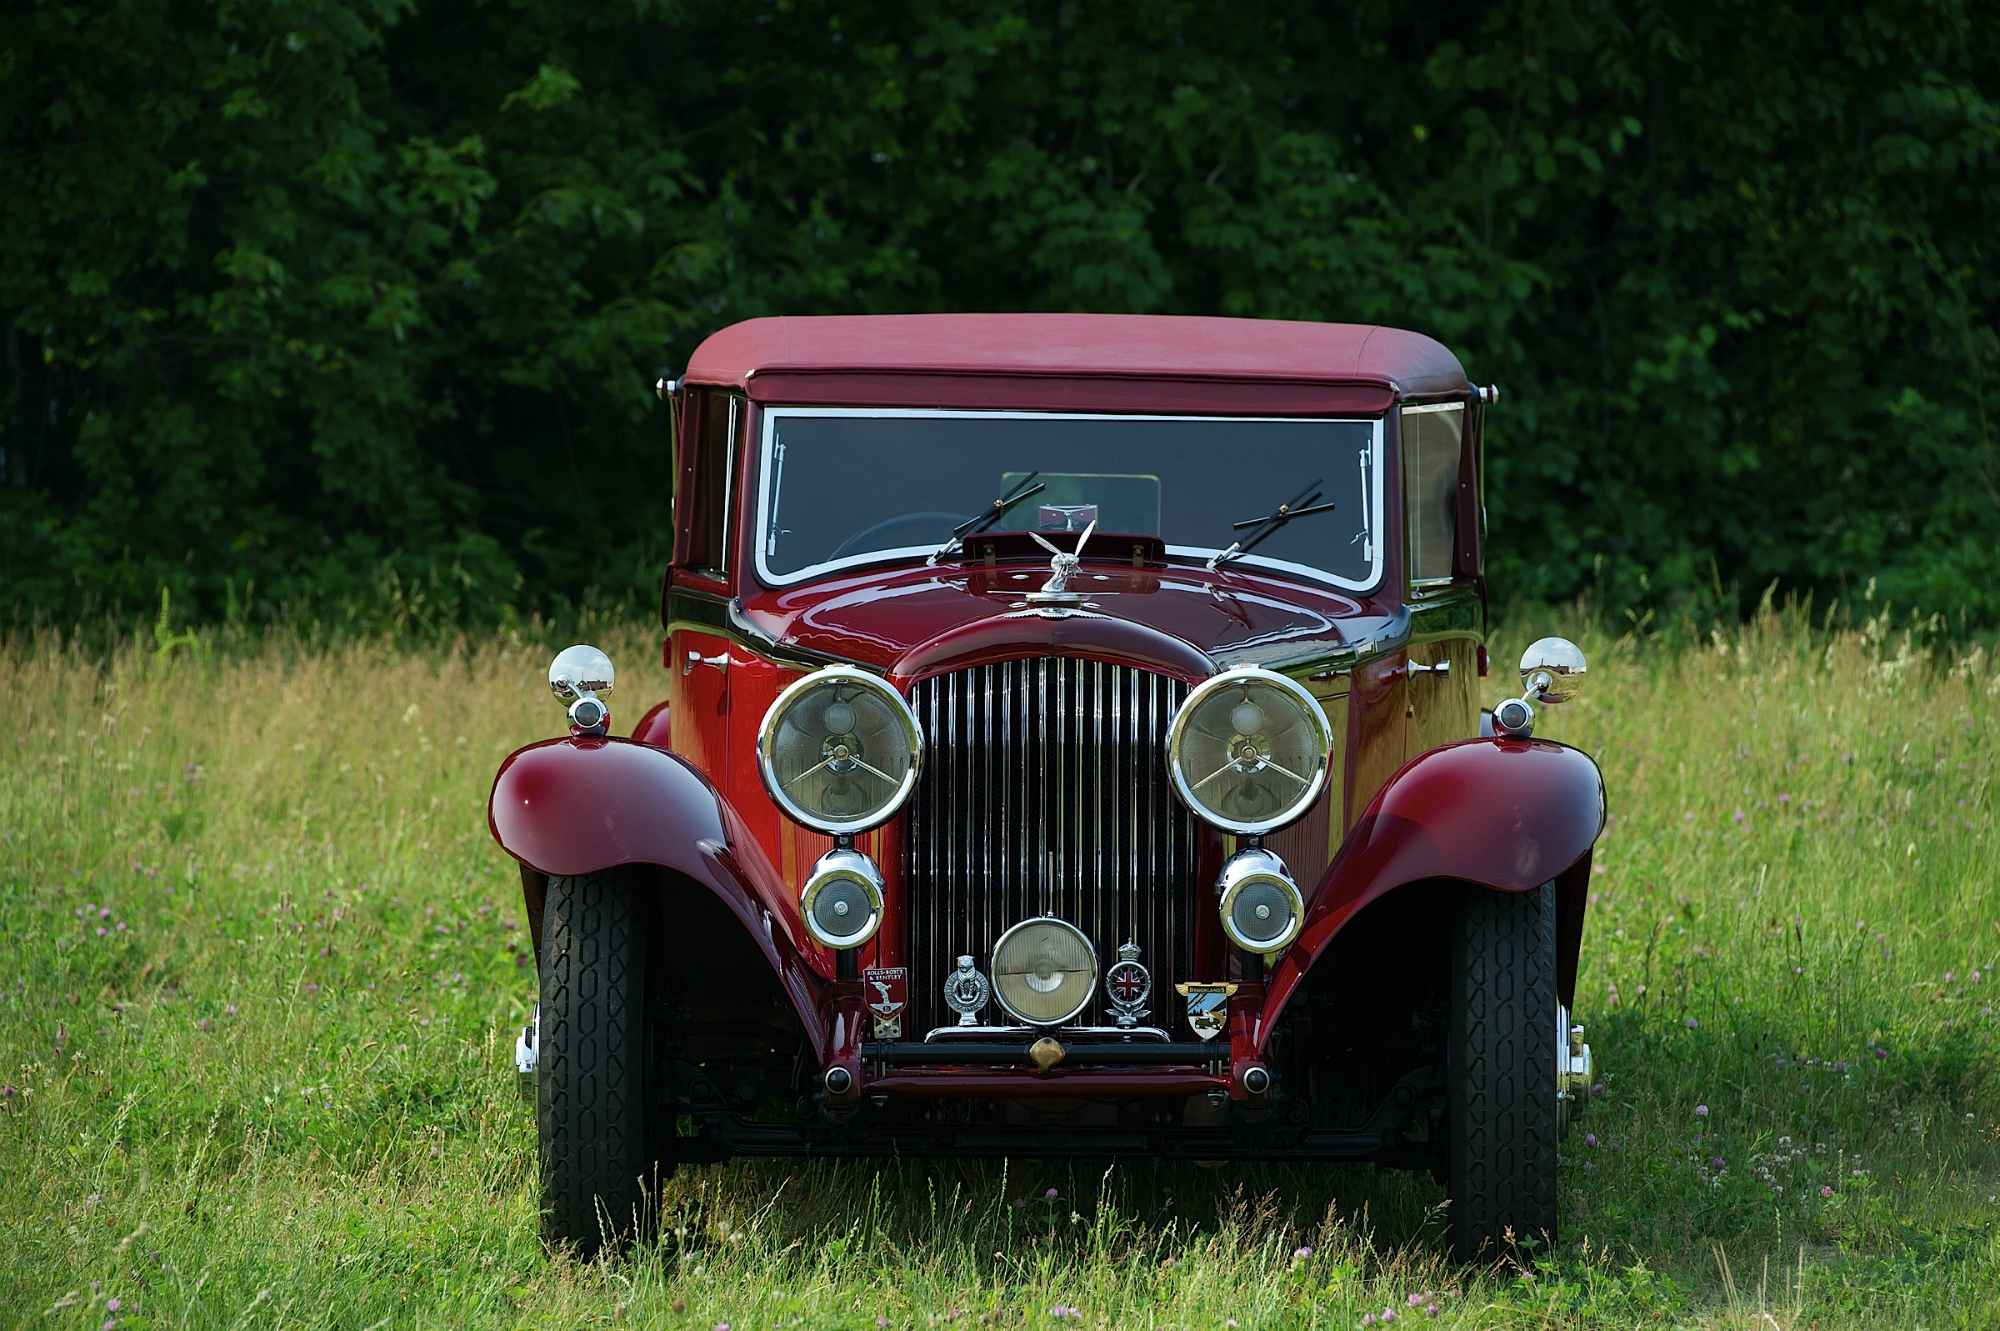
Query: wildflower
{"type": "Point", "coordinates": [1303, 1253]}
{"type": "Point", "coordinates": [1826, 1191]}
{"type": "Point", "coordinates": [312, 988]}
{"type": "Point", "coordinates": [1690, 1023]}
{"type": "Point", "coordinates": [1598, 1089]}
{"type": "Point", "coordinates": [1368, 1319]}
{"type": "Point", "coordinates": [1590, 1139]}
{"type": "Point", "coordinates": [881, 1321]}
{"type": "Point", "coordinates": [1020, 1202]}
{"type": "Point", "coordinates": [1715, 1163]}
{"type": "Point", "coordinates": [111, 1305]}
{"type": "Point", "coordinates": [1170, 1262]}
{"type": "Point", "coordinates": [229, 1009]}
{"type": "Point", "coordinates": [1050, 1195]}
{"type": "Point", "coordinates": [1430, 1310]}
{"type": "Point", "coordinates": [121, 926]}
{"type": "Point", "coordinates": [1881, 1052]}
{"type": "Point", "coordinates": [100, 933]}
{"type": "Point", "coordinates": [104, 912]}
{"type": "Point", "coordinates": [203, 1023]}
{"type": "Point", "coordinates": [109, 1325]}
{"type": "Point", "coordinates": [1701, 1111]}
{"type": "Point", "coordinates": [1229, 1321]}
{"type": "Point", "coordinates": [1388, 1314]}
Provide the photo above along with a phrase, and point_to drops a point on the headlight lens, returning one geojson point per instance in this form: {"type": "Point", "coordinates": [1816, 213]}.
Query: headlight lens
{"type": "Point", "coordinates": [840, 750]}
{"type": "Point", "coordinates": [1044, 971]}
{"type": "Point", "coordinates": [1248, 750]}
{"type": "Point", "coordinates": [842, 901]}
{"type": "Point", "coordinates": [1261, 906]}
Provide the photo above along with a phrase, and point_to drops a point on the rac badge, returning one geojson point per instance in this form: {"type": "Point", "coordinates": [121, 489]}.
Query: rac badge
{"type": "Point", "coordinates": [1207, 1007]}
{"type": "Point", "coordinates": [1128, 985]}
{"type": "Point", "coordinates": [888, 992]}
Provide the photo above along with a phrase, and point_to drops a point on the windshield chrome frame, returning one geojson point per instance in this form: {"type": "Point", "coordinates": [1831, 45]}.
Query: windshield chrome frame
{"type": "Point", "coordinates": [915, 554]}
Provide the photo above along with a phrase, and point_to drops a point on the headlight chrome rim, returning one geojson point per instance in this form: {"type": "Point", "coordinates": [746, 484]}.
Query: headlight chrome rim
{"type": "Point", "coordinates": [1086, 991]}
{"type": "Point", "coordinates": [1315, 717]}
{"type": "Point", "coordinates": [1250, 869]}
{"type": "Point", "coordinates": [839, 866]}
{"type": "Point", "coordinates": [910, 732]}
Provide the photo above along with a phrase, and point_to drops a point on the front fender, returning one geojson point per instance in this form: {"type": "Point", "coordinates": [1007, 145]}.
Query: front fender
{"type": "Point", "coordinates": [567, 807]}
{"type": "Point", "coordinates": [1505, 814]}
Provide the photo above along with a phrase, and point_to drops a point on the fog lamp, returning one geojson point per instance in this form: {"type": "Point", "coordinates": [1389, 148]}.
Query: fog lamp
{"type": "Point", "coordinates": [840, 750]}
{"type": "Point", "coordinates": [1044, 971]}
{"type": "Point", "coordinates": [1261, 906]}
{"type": "Point", "coordinates": [1247, 751]}
{"type": "Point", "coordinates": [842, 900]}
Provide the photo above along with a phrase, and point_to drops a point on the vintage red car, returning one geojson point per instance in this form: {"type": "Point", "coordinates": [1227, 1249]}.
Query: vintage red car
{"type": "Point", "coordinates": [1072, 747]}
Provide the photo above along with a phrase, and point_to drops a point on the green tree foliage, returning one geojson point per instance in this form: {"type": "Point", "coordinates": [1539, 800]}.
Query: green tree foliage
{"type": "Point", "coordinates": [353, 308]}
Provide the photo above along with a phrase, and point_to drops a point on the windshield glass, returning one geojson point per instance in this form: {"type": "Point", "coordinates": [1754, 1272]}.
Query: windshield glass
{"type": "Point", "coordinates": [845, 487]}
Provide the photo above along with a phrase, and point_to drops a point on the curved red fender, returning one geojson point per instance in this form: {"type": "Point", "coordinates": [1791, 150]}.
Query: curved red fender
{"type": "Point", "coordinates": [1503, 813]}
{"type": "Point", "coordinates": [574, 806]}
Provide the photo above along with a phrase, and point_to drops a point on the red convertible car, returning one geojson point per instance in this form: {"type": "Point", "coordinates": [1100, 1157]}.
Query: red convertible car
{"type": "Point", "coordinates": [1072, 746]}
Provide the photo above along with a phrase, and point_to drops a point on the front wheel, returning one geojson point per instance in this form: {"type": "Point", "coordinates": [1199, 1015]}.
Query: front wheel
{"type": "Point", "coordinates": [591, 1092]}
{"type": "Point", "coordinates": [1502, 1073]}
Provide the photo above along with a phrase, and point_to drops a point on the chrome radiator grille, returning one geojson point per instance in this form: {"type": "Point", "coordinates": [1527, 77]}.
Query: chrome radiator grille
{"type": "Point", "coordinates": [1045, 792]}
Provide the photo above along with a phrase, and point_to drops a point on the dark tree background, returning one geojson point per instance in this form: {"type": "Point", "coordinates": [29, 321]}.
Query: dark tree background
{"type": "Point", "coordinates": [351, 309]}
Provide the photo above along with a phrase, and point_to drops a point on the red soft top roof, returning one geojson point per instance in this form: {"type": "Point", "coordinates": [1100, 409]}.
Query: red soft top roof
{"type": "Point", "coordinates": [1071, 346]}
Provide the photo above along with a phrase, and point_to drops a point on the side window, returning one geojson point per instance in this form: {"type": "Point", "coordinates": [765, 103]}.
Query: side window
{"type": "Point", "coordinates": [718, 420]}
{"type": "Point", "coordinates": [1432, 438]}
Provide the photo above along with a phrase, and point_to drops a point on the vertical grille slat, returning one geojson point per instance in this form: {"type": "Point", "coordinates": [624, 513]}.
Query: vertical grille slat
{"type": "Point", "coordinates": [1045, 789]}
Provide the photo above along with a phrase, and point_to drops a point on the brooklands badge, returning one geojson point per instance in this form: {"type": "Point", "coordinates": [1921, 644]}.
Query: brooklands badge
{"type": "Point", "coordinates": [1207, 1007]}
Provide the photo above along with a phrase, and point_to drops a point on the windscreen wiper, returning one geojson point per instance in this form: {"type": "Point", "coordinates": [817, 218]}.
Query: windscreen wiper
{"type": "Point", "coordinates": [1303, 504]}
{"type": "Point", "coordinates": [994, 512]}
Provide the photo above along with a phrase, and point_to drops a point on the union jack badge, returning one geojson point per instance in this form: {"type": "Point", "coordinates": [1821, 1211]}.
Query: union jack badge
{"type": "Point", "coordinates": [1207, 1007]}
{"type": "Point", "coordinates": [888, 990]}
{"type": "Point", "coordinates": [1128, 984]}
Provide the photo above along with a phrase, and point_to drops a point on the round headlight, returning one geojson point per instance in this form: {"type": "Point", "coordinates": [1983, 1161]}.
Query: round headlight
{"type": "Point", "coordinates": [1044, 971]}
{"type": "Point", "coordinates": [1261, 905]}
{"type": "Point", "coordinates": [1248, 750]}
{"type": "Point", "coordinates": [840, 750]}
{"type": "Point", "coordinates": [842, 901]}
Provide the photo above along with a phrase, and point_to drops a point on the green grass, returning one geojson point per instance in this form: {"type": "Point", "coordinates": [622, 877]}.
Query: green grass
{"type": "Point", "coordinates": [277, 1089]}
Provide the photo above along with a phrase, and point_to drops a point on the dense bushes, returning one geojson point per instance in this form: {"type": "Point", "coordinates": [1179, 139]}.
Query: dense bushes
{"type": "Point", "coordinates": [352, 308]}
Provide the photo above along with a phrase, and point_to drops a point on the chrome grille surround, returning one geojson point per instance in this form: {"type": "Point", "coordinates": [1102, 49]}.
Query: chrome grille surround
{"type": "Point", "coordinates": [1045, 791]}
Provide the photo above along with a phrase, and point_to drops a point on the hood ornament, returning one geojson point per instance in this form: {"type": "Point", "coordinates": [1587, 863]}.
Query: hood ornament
{"type": "Point", "coordinates": [1062, 565]}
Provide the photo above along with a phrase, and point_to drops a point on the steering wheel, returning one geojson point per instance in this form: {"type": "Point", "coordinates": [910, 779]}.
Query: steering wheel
{"type": "Point", "coordinates": [867, 537]}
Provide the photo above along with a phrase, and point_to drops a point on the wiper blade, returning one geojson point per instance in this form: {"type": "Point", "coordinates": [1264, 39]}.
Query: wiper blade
{"type": "Point", "coordinates": [1303, 504]}
{"type": "Point", "coordinates": [994, 512]}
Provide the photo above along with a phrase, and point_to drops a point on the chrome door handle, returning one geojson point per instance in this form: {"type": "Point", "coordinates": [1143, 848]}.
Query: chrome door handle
{"type": "Point", "coordinates": [720, 661]}
{"type": "Point", "coordinates": [1441, 668]}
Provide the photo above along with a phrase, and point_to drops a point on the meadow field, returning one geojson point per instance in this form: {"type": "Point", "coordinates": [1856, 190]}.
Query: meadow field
{"type": "Point", "coordinates": [262, 969]}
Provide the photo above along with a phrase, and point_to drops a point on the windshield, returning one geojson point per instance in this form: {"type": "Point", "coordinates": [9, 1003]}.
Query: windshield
{"type": "Point", "coordinates": [845, 487]}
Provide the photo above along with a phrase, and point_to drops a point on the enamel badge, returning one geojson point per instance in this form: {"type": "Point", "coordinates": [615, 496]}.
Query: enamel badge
{"type": "Point", "coordinates": [888, 992]}
{"type": "Point", "coordinates": [1128, 985]}
{"type": "Point", "coordinates": [1207, 1007]}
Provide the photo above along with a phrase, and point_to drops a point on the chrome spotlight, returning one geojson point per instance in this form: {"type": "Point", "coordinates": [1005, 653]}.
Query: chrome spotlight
{"type": "Point", "coordinates": [1044, 971]}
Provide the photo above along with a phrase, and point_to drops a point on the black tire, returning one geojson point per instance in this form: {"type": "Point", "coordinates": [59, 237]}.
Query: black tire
{"type": "Point", "coordinates": [1501, 1074]}
{"type": "Point", "coordinates": [591, 1093]}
